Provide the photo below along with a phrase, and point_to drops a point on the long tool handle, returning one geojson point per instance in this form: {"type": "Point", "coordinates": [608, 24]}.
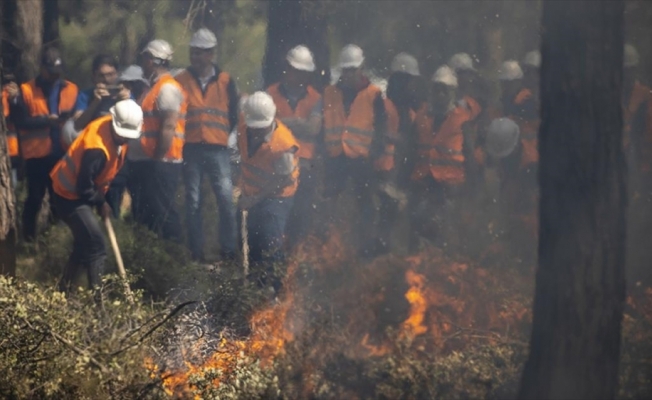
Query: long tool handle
{"type": "Point", "coordinates": [118, 259]}
{"type": "Point", "coordinates": [245, 244]}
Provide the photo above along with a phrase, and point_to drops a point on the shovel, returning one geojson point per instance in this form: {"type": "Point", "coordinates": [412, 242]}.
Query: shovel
{"type": "Point", "coordinates": [245, 244]}
{"type": "Point", "coordinates": [118, 259]}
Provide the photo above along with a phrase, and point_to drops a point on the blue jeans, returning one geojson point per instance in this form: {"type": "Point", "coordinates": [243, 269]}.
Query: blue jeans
{"type": "Point", "coordinates": [266, 224]}
{"type": "Point", "coordinates": [215, 161]}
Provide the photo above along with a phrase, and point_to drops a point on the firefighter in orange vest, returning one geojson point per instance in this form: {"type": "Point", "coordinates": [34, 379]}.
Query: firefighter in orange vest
{"type": "Point", "coordinates": [473, 91]}
{"type": "Point", "coordinates": [406, 89]}
{"type": "Point", "coordinates": [157, 156]}
{"type": "Point", "coordinates": [360, 132]}
{"type": "Point", "coordinates": [81, 179]}
{"type": "Point", "coordinates": [526, 112]}
{"type": "Point", "coordinates": [41, 109]}
{"type": "Point", "coordinates": [637, 115]}
{"type": "Point", "coordinates": [299, 107]}
{"type": "Point", "coordinates": [269, 181]}
{"type": "Point", "coordinates": [10, 90]}
{"type": "Point", "coordinates": [440, 169]}
{"type": "Point", "coordinates": [212, 114]}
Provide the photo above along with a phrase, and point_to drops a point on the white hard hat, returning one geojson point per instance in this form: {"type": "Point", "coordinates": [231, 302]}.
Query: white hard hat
{"type": "Point", "coordinates": [533, 59]}
{"type": "Point", "coordinates": [68, 133]}
{"type": "Point", "coordinates": [404, 62]}
{"type": "Point", "coordinates": [127, 119]}
{"type": "Point", "coordinates": [502, 137]}
{"type": "Point", "coordinates": [351, 57]}
{"type": "Point", "coordinates": [159, 49]}
{"type": "Point", "coordinates": [300, 57]}
{"type": "Point", "coordinates": [203, 39]}
{"type": "Point", "coordinates": [631, 57]}
{"type": "Point", "coordinates": [445, 75]}
{"type": "Point", "coordinates": [133, 73]}
{"type": "Point", "coordinates": [461, 62]}
{"type": "Point", "coordinates": [259, 110]}
{"type": "Point", "coordinates": [510, 71]}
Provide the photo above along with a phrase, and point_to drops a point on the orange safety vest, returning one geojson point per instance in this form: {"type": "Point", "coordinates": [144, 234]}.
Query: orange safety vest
{"type": "Point", "coordinates": [37, 143]}
{"type": "Point", "coordinates": [386, 161]}
{"type": "Point", "coordinates": [152, 122]}
{"type": "Point", "coordinates": [207, 117]}
{"type": "Point", "coordinates": [97, 135]}
{"type": "Point", "coordinates": [258, 169]}
{"type": "Point", "coordinates": [350, 134]}
{"type": "Point", "coordinates": [12, 136]}
{"type": "Point", "coordinates": [529, 131]}
{"type": "Point", "coordinates": [303, 109]}
{"type": "Point", "coordinates": [440, 153]}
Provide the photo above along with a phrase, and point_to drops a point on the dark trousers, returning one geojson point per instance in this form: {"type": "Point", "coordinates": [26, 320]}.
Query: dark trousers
{"type": "Point", "coordinates": [37, 171]}
{"type": "Point", "coordinates": [89, 251]}
{"type": "Point", "coordinates": [266, 223]}
{"type": "Point", "coordinates": [214, 161]}
{"type": "Point", "coordinates": [426, 201]}
{"type": "Point", "coordinates": [157, 184]}
{"type": "Point", "coordinates": [304, 211]}
{"type": "Point", "coordinates": [339, 170]}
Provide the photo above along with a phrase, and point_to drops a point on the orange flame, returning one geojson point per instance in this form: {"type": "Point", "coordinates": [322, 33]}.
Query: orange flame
{"type": "Point", "coordinates": [413, 325]}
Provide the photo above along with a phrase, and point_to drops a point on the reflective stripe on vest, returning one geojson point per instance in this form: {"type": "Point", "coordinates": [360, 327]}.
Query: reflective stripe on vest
{"type": "Point", "coordinates": [207, 115]}
{"type": "Point", "coordinates": [37, 143]}
{"type": "Point", "coordinates": [152, 124]}
{"type": "Point", "coordinates": [303, 110]}
{"type": "Point", "coordinates": [96, 136]}
{"type": "Point", "coordinates": [350, 134]}
{"type": "Point", "coordinates": [258, 169]}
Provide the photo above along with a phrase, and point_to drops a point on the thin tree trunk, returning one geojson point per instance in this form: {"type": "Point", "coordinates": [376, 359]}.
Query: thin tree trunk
{"type": "Point", "coordinates": [7, 202]}
{"type": "Point", "coordinates": [580, 287]}
{"type": "Point", "coordinates": [29, 35]}
{"type": "Point", "coordinates": [291, 23]}
{"type": "Point", "coordinates": [51, 22]}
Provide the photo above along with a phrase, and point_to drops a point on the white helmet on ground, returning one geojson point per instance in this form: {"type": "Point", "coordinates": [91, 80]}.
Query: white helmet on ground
{"type": "Point", "coordinates": [631, 57]}
{"type": "Point", "coordinates": [404, 62]}
{"type": "Point", "coordinates": [127, 119]}
{"type": "Point", "coordinates": [510, 71]}
{"type": "Point", "coordinates": [502, 137]}
{"type": "Point", "coordinates": [300, 57]}
{"type": "Point", "coordinates": [259, 110]}
{"type": "Point", "coordinates": [445, 75]}
{"type": "Point", "coordinates": [159, 49]}
{"type": "Point", "coordinates": [461, 62]}
{"type": "Point", "coordinates": [351, 57]}
{"type": "Point", "coordinates": [533, 59]}
{"type": "Point", "coordinates": [203, 39]}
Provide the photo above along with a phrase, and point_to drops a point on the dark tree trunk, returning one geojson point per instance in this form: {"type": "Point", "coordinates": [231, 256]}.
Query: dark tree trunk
{"type": "Point", "coordinates": [580, 287]}
{"type": "Point", "coordinates": [51, 22]}
{"type": "Point", "coordinates": [291, 23]}
{"type": "Point", "coordinates": [29, 36]}
{"type": "Point", "coordinates": [7, 202]}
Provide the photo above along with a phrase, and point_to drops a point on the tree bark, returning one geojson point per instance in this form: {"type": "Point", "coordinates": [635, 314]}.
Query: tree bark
{"type": "Point", "coordinates": [7, 202]}
{"type": "Point", "coordinates": [29, 36]}
{"type": "Point", "coordinates": [580, 283]}
{"type": "Point", "coordinates": [51, 22]}
{"type": "Point", "coordinates": [291, 23]}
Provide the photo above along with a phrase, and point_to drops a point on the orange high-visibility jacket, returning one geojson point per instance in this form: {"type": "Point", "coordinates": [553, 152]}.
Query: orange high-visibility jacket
{"type": "Point", "coordinates": [386, 160]}
{"type": "Point", "coordinates": [258, 169]}
{"type": "Point", "coordinates": [207, 116]}
{"type": "Point", "coordinates": [303, 109]}
{"type": "Point", "coordinates": [37, 143]}
{"type": "Point", "coordinates": [97, 135]}
{"type": "Point", "coordinates": [529, 131]}
{"type": "Point", "coordinates": [12, 136]}
{"type": "Point", "coordinates": [440, 153]}
{"type": "Point", "coordinates": [350, 134]}
{"type": "Point", "coordinates": [152, 122]}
